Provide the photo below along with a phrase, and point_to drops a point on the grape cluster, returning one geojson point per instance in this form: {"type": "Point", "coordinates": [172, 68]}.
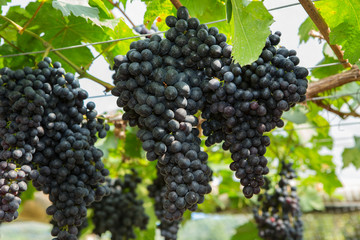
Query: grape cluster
{"type": "Point", "coordinates": [159, 90]}
{"type": "Point", "coordinates": [143, 30]}
{"type": "Point", "coordinates": [162, 83]}
{"type": "Point", "coordinates": [157, 191]}
{"type": "Point", "coordinates": [119, 212]}
{"type": "Point", "coordinates": [279, 214]}
{"type": "Point", "coordinates": [245, 102]}
{"type": "Point", "coordinates": [47, 136]}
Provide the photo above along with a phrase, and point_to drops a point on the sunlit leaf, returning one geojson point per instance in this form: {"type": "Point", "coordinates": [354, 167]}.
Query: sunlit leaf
{"type": "Point", "coordinates": [248, 43]}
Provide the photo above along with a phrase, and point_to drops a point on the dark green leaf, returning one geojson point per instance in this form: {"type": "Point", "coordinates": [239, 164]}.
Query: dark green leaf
{"type": "Point", "coordinates": [228, 10]}
{"type": "Point", "coordinates": [248, 42]}
{"type": "Point", "coordinates": [351, 155]}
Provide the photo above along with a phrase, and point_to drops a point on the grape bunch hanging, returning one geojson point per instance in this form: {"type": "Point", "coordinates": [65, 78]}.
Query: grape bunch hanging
{"type": "Point", "coordinates": [162, 83]}
{"type": "Point", "coordinates": [47, 135]}
{"type": "Point", "coordinates": [278, 215]}
{"type": "Point", "coordinates": [119, 212]}
{"type": "Point", "coordinates": [157, 191]}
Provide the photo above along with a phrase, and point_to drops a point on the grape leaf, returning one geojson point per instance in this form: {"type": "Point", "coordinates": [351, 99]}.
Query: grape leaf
{"type": "Point", "coordinates": [329, 57]}
{"type": "Point", "coordinates": [110, 50]}
{"type": "Point", "coordinates": [158, 8]}
{"type": "Point", "coordinates": [62, 32]}
{"type": "Point", "coordinates": [351, 155]}
{"type": "Point", "coordinates": [347, 35]}
{"type": "Point", "coordinates": [310, 198]}
{"type": "Point", "coordinates": [343, 20]}
{"type": "Point", "coordinates": [77, 7]}
{"type": "Point", "coordinates": [209, 11]}
{"type": "Point", "coordinates": [81, 8]}
{"type": "Point", "coordinates": [305, 28]}
{"type": "Point", "coordinates": [3, 2]}
{"type": "Point", "coordinates": [247, 42]}
{"type": "Point", "coordinates": [104, 11]}
{"type": "Point", "coordinates": [246, 231]}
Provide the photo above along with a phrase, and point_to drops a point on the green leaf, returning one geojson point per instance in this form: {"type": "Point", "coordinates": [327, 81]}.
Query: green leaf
{"type": "Point", "coordinates": [62, 32]}
{"type": "Point", "coordinates": [310, 199]}
{"type": "Point", "coordinates": [347, 35]}
{"type": "Point", "coordinates": [101, 6]}
{"type": "Point", "coordinates": [158, 9]}
{"type": "Point", "coordinates": [108, 143]}
{"type": "Point", "coordinates": [228, 10]}
{"type": "Point", "coordinates": [343, 20]}
{"type": "Point", "coordinates": [110, 50]}
{"type": "Point", "coordinates": [305, 28]}
{"type": "Point", "coordinates": [3, 2]}
{"type": "Point", "coordinates": [81, 8]}
{"type": "Point", "coordinates": [247, 231]}
{"type": "Point", "coordinates": [249, 42]}
{"type": "Point", "coordinates": [133, 146]}
{"type": "Point", "coordinates": [351, 155]}
{"type": "Point", "coordinates": [208, 11]}
{"type": "Point", "coordinates": [322, 72]}
{"type": "Point", "coordinates": [296, 115]}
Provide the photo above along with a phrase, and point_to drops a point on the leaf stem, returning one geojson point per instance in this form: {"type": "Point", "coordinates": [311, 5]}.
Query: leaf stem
{"type": "Point", "coordinates": [32, 18]}
{"type": "Point", "coordinates": [18, 27]}
{"type": "Point", "coordinates": [11, 44]}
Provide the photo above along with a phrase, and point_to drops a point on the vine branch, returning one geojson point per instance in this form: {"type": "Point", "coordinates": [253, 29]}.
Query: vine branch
{"type": "Point", "coordinates": [320, 23]}
{"type": "Point", "coordinates": [32, 18]}
{"type": "Point", "coordinates": [337, 112]}
{"type": "Point", "coordinates": [83, 73]}
{"type": "Point", "coordinates": [122, 11]}
{"type": "Point", "coordinates": [333, 81]}
{"type": "Point", "coordinates": [176, 3]}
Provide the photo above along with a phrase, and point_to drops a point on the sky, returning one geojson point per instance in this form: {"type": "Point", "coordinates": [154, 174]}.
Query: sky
{"type": "Point", "coordinates": [287, 20]}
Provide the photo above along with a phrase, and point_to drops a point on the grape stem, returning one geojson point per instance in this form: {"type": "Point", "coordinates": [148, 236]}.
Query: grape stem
{"type": "Point", "coordinates": [122, 11]}
{"type": "Point", "coordinates": [32, 18]}
{"type": "Point", "coordinates": [320, 23]}
{"type": "Point", "coordinates": [83, 73]}
{"type": "Point", "coordinates": [176, 3]}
